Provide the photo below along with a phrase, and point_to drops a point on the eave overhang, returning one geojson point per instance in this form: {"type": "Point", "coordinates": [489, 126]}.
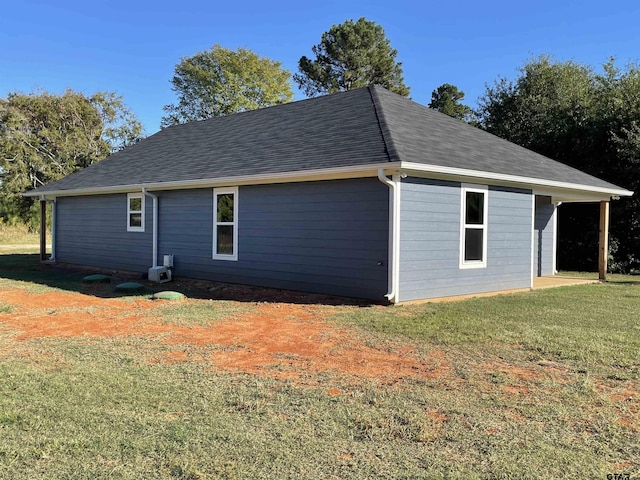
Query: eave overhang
{"type": "Point", "coordinates": [559, 191]}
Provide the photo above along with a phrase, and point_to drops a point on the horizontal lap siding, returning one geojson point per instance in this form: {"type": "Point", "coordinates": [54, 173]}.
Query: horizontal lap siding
{"type": "Point", "coordinates": [325, 237]}
{"type": "Point", "coordinates": [92, 230]}
{"type": "Point", "coordinates": [543, 236]}
{"type": "Point", "coordinates": [430, 241]}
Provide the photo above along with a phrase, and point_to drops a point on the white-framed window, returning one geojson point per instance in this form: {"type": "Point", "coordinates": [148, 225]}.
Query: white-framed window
{"type": "Point", "coordinates": [473, 226]}
{"type": "Point", "coordinates": [135, 212]}
{"type": "Point", "coordinates": [225, 223]}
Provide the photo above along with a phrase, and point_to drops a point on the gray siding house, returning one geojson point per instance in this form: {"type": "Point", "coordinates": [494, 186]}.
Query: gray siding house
{"type": "Point", "coordinates": [362, 193]}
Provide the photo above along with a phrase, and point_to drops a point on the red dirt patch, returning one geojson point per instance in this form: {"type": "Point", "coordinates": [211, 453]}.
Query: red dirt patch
{"type": "Point", "coordinates": [624, 396]}
{"type": "Point", "coordinates": [344, 456]}
{"type": "Point", "coordinates": [287, 341]}
{"type": "Point", "coordinates": [51, 300]}
{"type": "Point", "coordinates": [179, 356]}
{"type": "Point", "coordinates": [543, 370]}
{"type": "Point", "coordinates": [624, 422]}
{"type": "Point", "coordinates": [515, 390]}
{"type": "Point", "coordinates": [516, 416]}
{"type": "Point", "coordinates": [21, 298]}
{"type": "Point", "coordinates": [435, 415]}
{"type": "Point", "coordinates": [275, 339]}
{"type": "Point", "coordinates": [626, 402]}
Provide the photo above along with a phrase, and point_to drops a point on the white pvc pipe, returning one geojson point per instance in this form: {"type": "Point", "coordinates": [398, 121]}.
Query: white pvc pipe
{"type": "Point", "coordinates": [155, 226]}
{"type": "Point", "coordinates": [393, 236]}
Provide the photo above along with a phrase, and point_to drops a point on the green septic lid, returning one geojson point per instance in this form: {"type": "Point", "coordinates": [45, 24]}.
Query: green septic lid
{"type": "Point", "coordinates": [129, 287]}
{"type": "Point", "coordinates": [168, 295]}
{"type": "Point", "coordinates": [98, 277]}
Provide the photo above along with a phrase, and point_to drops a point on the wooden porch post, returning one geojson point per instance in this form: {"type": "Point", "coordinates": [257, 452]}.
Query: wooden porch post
{"type": "Point", "coordinates": [603, 242]}
{"type": "Point", "coordinates": [43, 230]}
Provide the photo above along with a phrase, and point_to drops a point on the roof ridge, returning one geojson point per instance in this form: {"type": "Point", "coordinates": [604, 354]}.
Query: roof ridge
{"type": "Point", "coordinates": [389, 144]}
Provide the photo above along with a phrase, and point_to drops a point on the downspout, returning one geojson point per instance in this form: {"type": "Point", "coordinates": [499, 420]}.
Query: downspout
{"type": "Point", "coordinates": [394, 236]}
{"type": "Point", "coordinates": [155, 226]}
{"type": "Point", "coordinates": [533, 236]}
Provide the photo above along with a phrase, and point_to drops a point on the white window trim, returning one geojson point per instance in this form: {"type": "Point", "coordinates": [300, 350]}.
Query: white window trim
{"type": "Point", "coordinates": [222, 191]}
{"type": "Point", "coordinates": [131, 228]}
{"type": "Point", "coordinates": [484, 189]}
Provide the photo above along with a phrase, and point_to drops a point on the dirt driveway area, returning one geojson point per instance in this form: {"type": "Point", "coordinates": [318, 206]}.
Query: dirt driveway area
{"type": "Point", "coordinates": [284, 340]}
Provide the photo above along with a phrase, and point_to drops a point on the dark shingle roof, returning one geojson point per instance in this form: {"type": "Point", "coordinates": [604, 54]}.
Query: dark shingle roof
{"type": "Point", "coordinates": [422, 135]}
{"type": "Point", "coordinates": [356, 128]}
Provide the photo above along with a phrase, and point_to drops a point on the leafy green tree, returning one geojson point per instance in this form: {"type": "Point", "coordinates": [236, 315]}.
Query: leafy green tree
{"type": "Point", "coordinates": [351, 55]}
{"type": "Point", "coordinates": [44, 137]}
{"type": "Point", "coordinates": [585, 119]}
{"type": "Point", "coordinates": [548, 103]}
{"type": "Point", "coordinates": [221, 81]}
{"type": "Point", "coordinates": [120, 127]}
{"type": "Point", "coordinates": [446, 99]}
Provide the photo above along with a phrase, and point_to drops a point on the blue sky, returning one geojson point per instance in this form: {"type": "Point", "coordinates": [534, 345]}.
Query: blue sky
{"type": "Point", "coordinates": [131, 47]}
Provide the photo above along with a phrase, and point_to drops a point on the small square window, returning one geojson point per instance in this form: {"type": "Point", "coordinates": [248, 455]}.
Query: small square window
{"type": "Point", "coordinates": [135, 212]}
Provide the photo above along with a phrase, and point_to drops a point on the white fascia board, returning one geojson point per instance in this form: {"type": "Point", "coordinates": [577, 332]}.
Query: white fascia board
{"type": "Point", "coordinates": [564, 196]}
{"type": "Point", "coordinates": [561, 190]}
{"type": "Point", "coordinates": [284, 177]}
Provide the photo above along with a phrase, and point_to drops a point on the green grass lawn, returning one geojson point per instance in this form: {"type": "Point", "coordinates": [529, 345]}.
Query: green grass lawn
{"type": "Point", "coordinates": [18, 234]}
{"type": "Point", "coordinates": [539, 385]}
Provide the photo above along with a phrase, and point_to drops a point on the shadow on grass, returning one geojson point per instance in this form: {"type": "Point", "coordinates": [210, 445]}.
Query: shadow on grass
{"type": "Point", "coordinates": [623, 282]}
{"type": "Point", "coordinates": [27, 268]}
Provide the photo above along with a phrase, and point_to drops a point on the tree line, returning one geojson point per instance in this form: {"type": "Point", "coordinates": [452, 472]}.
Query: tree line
{"type": "Point", "coordinates": [44, 137]}
{"type": "Point", "coordinates": [561, 109]}
{"type": "Point", "coordinates": [590, 121]}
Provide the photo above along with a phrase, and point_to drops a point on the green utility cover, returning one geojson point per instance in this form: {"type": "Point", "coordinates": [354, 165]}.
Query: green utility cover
{"type": "Point", "coordinates": [129, 287]}
{"type": "Point", "coordinates": [168, 295]}
{"type": "Point", "coordinates": [98, 277]}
